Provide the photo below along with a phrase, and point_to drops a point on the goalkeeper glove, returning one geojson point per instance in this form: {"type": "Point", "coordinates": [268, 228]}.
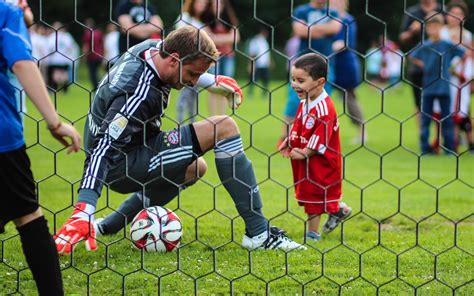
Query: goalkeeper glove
{"type": "Point", "coordinates": [229, 88]}
{"type": "Point", "coordinates": [79, 227]}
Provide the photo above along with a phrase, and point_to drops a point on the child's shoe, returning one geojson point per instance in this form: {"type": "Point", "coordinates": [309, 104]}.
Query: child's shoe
{"type": "Point", "coordinates": [335, 219]}
{"type": "Point", "coordinates": [313, 235]}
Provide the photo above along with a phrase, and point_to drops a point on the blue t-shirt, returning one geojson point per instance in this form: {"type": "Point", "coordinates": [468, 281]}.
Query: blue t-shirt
{"type": "Point", "coordinates": [437, 57]}
{"type": "Point", "coordinates": [313, 16]}
{"type": "Point", "coordinates": [15, 45]}
{"type": "Point", "coordinates": [346, 63]}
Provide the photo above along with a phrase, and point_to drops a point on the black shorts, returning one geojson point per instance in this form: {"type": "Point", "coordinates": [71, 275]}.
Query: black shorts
{"type": "Point", "coordinates": [162, 161]}
{"type": "Point", "coordinates": [17, 185]}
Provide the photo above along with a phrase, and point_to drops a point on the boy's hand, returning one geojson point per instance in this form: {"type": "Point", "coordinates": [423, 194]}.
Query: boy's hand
{"type": "Point", "coordinates": [297, 153]}
{"type": "Point", "coordinates": [284, 148]}
{"type": "Point", "coordinates": [63, 131]}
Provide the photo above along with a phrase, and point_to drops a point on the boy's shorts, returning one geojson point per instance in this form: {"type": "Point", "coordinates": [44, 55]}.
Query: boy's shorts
{"type": "Point", "coordinates": [18, 186]}
{"type": "Point", "coordinates": [330, 207]}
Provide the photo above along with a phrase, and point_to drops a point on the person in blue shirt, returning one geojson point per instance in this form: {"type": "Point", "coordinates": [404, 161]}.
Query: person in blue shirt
{"type": "Point", "coordinates": [434, 56]}
{"type": "Point", "coordinates": [347, 67]}
{"type": "Point", "coordinates": [19, 202]}
{"type": "Point", "coordinates": [316, 25]}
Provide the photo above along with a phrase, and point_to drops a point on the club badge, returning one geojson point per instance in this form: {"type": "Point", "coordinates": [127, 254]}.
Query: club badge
{"type": "Point", "coordinates": [310, 122]}
{"type": "Point", "coordinates": [173, 137]}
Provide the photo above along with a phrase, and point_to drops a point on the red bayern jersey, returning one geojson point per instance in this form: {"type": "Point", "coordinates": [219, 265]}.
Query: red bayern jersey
{"type": "Point", "coordinates": [316, 126]}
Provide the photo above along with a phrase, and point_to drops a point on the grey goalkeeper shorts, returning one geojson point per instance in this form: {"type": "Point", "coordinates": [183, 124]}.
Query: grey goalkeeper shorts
{"type": "Point", "coordinates": [161, 162]}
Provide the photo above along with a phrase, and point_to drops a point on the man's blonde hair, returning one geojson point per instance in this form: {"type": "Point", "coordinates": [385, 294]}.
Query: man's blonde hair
{"type": "Point", "coordinates": [190, 44]}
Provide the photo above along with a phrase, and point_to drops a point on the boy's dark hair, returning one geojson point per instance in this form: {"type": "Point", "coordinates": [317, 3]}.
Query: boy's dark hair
{"type": "Point", "coordinates": [314, 64]}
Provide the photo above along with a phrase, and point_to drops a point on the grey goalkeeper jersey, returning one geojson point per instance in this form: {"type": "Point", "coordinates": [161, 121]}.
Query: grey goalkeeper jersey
{"type": "Point", "coordinates": [126, 111]}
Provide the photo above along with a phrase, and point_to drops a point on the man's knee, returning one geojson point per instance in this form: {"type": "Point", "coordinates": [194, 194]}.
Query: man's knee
{"type": "Point", "coordinates": [195, 171]}
{"type": "Point", "coordinates": [225, 126]}
{"type": "Point", "coordinates": [215, 129]}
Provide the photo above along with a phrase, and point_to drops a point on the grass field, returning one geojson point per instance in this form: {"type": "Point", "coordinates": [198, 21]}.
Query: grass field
{"type": "Point", "coordinates": [412, 230]}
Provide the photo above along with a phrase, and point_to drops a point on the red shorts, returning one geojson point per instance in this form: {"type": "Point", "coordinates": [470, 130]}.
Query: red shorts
{"type": "Point", "coordinates": [330, 207]}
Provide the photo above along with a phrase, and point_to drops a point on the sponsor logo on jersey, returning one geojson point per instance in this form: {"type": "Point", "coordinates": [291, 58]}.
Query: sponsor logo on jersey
{"type": "Point", "coordinates": [173, 137]}
{"type": "Point", "coordinates": [117, 126]}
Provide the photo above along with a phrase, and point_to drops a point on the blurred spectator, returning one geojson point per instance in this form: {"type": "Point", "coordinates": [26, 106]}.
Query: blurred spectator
{"type": "Point", "coordinates": [316, 26]}
{"type": "Point", "coordinates": [291, 50]}
{"type": "Point", "coordinates": [392, 58]}
{"type": "Point", "coordinates": [316, 30]}
{"type": "Point", "coordinates": [223, 24]}
{"type": "Point", "coordinates": [93, 50]}
{"type": "Point", "coordinates": [64, 58]}
{"type": "Point", "coordinates": [111, 45]}
{"type": "Point", "coordinates": [411, 35]}
{"type": "Point", "coordinates": [347, 66]}
{"type": "Point", "coordinates": [435, 56]}
{"type": "Point", "coordinates": [193, 14]}
{"type": "Point", "coordinates": [291, 47]}
{"type": "Point", "coordinates": [462, 73]}
{"type": "Point", "coordinates": [138, 21]}
{"type": "Point", "coordinates": [39, 44]}
{"type": "Point", "coordinates": [259, 51]}
{"type": "Point", "coordinates": [373, 61]}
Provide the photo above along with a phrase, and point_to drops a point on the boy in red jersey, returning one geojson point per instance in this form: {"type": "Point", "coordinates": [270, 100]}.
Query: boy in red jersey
{"type": "Point", "coordinates": [314, 147]}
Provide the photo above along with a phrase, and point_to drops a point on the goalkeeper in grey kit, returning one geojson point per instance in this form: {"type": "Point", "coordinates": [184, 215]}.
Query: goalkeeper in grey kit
{"type": "Point", "coordinates": [128, 151]}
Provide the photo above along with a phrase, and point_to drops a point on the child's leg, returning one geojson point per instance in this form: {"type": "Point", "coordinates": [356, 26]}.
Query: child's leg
{"type": "Point", "coordinates": [313, 222]}
{"type": "Point", "coordinates": [312, 233]}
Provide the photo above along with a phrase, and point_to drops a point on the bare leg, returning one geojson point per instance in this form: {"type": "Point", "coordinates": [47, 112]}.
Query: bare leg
{"type": "Point", "coordinates": [313, 222]}
{"type": "Point", "coordinates": [214, 129]}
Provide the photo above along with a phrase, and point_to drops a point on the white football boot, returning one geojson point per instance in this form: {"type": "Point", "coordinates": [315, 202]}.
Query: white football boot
{"type": "Point", "coordinates": [271, 240]}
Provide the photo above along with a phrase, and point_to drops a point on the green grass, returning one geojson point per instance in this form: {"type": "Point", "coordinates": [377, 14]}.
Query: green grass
{"type": "Point", "coordinates": [412, 228]}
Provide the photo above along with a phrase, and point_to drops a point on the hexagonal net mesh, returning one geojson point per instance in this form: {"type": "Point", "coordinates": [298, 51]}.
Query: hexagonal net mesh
{"type": "Point", "coordinates": [399, 77]}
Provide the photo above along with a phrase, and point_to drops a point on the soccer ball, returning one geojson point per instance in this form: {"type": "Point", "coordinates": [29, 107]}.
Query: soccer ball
{"type": "Point", "coordinates": [156, 229]}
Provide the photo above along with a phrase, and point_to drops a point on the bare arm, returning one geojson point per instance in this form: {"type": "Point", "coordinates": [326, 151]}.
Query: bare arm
{"type": "Point", "coordinates": [30, 78]}
{"type": "Point", "coordinates": [298, 153]}
{"type": "Point", "coordinates": [412, 31]}
{"type": "Point", "coordinates": [142, 30]}
{"type": "Point", "coordinates": [417, 62]}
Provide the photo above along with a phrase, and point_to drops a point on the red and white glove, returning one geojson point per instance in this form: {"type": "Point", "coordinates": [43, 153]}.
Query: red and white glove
{"type": "Point", "coordinates": [229, 88]}
{"type": "Point", "coordinates": [79, 227]}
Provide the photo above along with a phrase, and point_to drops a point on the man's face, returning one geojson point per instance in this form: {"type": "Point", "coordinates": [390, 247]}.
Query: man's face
{"type": "Point", "coordinates": [304, 85]}
{"type": "Point", "coordinates": [188, 74]}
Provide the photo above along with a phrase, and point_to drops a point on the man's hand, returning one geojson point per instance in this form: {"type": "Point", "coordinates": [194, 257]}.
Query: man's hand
{"type": "Point", "coordinates": [229, 88]}
{"type": "Point", "coordinates": [79, 227]}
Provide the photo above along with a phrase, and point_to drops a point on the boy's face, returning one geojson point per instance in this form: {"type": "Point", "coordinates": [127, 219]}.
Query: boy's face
{"type": "Point", "coordinates": [304, 85]}
{"type": "Point", "coordinates": [432, 30]}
